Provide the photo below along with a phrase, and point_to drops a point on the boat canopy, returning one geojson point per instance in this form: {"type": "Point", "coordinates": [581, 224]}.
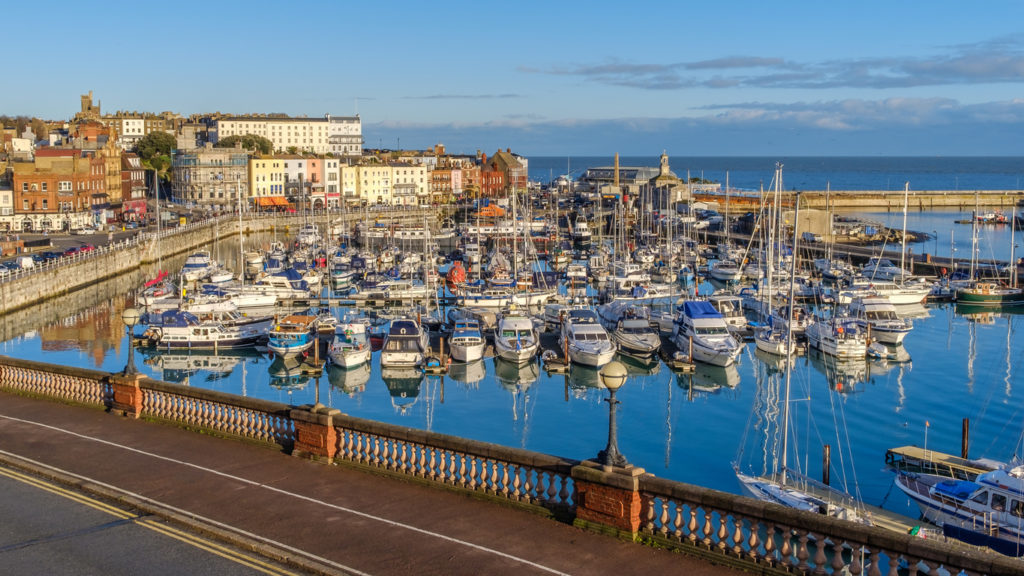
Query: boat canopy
{"type": "Point", "coordinates": [700, 309]}
{"type": "Point", "coordinates": [178, 318]}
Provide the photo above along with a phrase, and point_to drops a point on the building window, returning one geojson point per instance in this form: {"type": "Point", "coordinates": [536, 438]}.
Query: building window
{"type": "Point", "coordinates": [24, 204]}
{"type": "Point", "coordinates": [24, 186]}
{"type": "Point", "coordinates": [45, 186]}
{"type": "Point", "coordinates": [46, 204]}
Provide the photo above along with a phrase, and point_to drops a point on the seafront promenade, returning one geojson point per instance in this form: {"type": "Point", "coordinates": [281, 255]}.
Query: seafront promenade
{"type": "Point", "coordinates": [337, 494]}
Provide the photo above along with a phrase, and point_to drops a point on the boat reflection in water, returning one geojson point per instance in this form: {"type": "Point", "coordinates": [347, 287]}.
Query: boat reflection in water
{"type": "Point", "coordinates": [469, 374]}
{"type": "Point", "coordinates": [773, 363]}
{"type": "Point", "coordinates": [708, 379]}
{"type": "Point", "coordinates": [350, 381]}
{"type": "Point", "coordinates": [640, 366]}
{"type": "Point", "coordinates": [181, 367]}
{"type": "Point", "coordinates": [514, 376]}
{"type": "Point", "coordinates": [404, 386]}
{"type": "Point", "coordinates": [842, 375]}
{"type": "Point", "coordinates": [290, 373]}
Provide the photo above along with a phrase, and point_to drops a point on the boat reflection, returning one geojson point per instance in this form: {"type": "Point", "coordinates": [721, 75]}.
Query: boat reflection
{"type": "Point", "coordinates": [639, 366]}
{"type": "Point", "coordinates": [404, 386]}
{"type": "Point", "coordinates": [350, 381]}
{"type": "Point", "coordinates": [708, 379]}
{"type": "Point", "coordinates": [292, 373]}
{"type": "Point", "coordinates": [584, 377]}
{"type": "Point", "coordinates": [773, 363]}
{"type": "Point", "coordinates": [986, 314]}
{"type": "Point", "coordinates": [180, 368]}
{"type": "Point", "coordinates": [842, 375]}
{"type": "Point", "coordinates": [468, 374]}
{"type": "Point", "coordinates": [514, 376]}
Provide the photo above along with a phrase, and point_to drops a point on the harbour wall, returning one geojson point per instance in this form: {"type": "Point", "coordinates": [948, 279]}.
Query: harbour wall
{"type": "Point", "coordinates": [57, 279]}
{"type": "Point", "coordinates": [888, 200]}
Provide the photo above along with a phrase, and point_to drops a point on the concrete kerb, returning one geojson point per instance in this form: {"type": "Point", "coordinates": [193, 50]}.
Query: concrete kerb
{"type": "Point", "coordinates": [183, 519]}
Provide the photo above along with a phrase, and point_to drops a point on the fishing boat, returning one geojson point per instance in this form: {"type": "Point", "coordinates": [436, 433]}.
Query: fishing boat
{"type": "Point", "coordinates": [703, 326]}
{"type": "Point", "coordinates": [515, 337]}
{"type": "Point", "coordinates": [350, 346]}
{"type": "Point", "coordinates": [181, 329]}
{"type": "Point", "coordinates": [585, 340]}
{"type": "Point", "coordinates": [467, 341]}
{"type": "Point", "coordinates": [406, 344]}
{"type": "Point", "coordinates": [990, 294]}
{"type": "Point", "coordinates": [581, 235]}
{"type": "Point", "coordinates": [292, 335]}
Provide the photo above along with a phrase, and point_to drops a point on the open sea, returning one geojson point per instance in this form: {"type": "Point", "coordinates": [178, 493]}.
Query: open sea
{"type": "Point", "coordinates": [691, 428]}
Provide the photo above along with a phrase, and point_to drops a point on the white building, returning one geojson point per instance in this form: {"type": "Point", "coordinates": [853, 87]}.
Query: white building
{"type": "Point", "coordinates": [313, 135]}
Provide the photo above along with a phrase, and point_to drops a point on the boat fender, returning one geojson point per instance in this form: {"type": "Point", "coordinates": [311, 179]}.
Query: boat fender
{"type": "Point", "coordinates": [191, 300]}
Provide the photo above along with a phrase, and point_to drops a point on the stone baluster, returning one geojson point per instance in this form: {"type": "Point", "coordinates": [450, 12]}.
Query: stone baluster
{"type": "Point", "coordinates": [691, 526]}
{"type": "Point", "coordinates": [737, 537]}
{"type": "Point", "coordinates": [722, 534]}
{"type": "Point", "coordinates": [820, 566]}
{"type": "Point", "coordinates": [876, 557]}
{"type": "Point", "coordinates": [769, 544]}
{"type": "Point", "coordinates": [707, 530]}
{"type": "Point", "coordinates": [786, 549]}
{"type": "Point", "coordinates": [753, 544]}
{"type": "Point", "coordinates": [837, 556]}
{"type": "Point", "coordinates": [663, 518]}
{"type": "Point", "coordinates": [802, 554]}
{"type": "Point", "coordinates": [462, 481]}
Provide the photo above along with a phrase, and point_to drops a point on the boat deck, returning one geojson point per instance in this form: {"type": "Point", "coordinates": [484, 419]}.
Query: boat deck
{"type": "Point", "coordinates": [914, 459]}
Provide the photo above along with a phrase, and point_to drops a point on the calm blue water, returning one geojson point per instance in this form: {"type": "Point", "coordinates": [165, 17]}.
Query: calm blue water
{"type": "Point", "coordinates": [682, 427]}
{"type": "Point", "coordinates": [816, 173]}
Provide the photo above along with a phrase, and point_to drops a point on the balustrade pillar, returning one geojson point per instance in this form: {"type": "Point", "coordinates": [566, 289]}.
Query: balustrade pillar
{"type": "Point", "coordinates": [608, 498]}
{"type": "Point", "coordinates": [126, 394]}
{"type": "Point", "coordinates": [315, 435]}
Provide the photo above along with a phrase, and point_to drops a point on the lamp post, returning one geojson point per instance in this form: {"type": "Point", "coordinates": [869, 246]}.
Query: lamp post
{"type": "Point", "coordinates": [613, 376]}
{"type": "Point", "coordinates": [130, 317]}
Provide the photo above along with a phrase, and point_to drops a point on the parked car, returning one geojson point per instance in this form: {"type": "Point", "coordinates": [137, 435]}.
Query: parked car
{"type": "Point", "coordinates": [87, 248]}
{"type": "Point", "coordinates": [51, 255]}
{"type": "Point", "coordinates": [71, 251]}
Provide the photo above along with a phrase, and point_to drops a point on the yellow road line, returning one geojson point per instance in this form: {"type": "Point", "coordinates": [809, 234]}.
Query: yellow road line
{"type": "Point", "coordinates": [150, 523]}
{"type": "Point", "coordinates": [211, 547]}
{"type": "Point", "coordinates": [77, 497]}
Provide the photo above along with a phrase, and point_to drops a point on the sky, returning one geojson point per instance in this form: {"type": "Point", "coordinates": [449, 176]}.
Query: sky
{"type": "Point", "coordinates": [735, 78]}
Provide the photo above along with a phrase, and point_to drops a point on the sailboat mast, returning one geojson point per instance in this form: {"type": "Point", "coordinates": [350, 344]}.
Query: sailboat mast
{"type": "Point", "coordinates": [903, 238]}
{"type": "Point", "coordinates": [789, 346]}
{"type": "Point", "coordinates": [1013, 261]}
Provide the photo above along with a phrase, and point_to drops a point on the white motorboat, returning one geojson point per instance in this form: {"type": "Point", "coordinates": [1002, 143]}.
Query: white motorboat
{"type": "Point", "coordinates": [898, 294]}
{"type": "Point", "coordinates": [839, 336]}
{"type": "Point", "coordinates": [515, 338]}
{"type": "Point", "coordinates": [292, 335]}
{"type": "Point", "coordinates": [351, 346]}
{"type": "Point", "coordinates": [406, 344]}
{"type": "Point", "coordinates": [179, 329]}
{"type": "Point", "coordinates": [585, 340]}
{"type": "Point", "coordinates": [703, 330]}
{"type": "Point", "coordinates": [197, 266]}
{"type": "Point", "coordinates": [467, 342]}
{"type": "Point", "coordinates": [877, 315]}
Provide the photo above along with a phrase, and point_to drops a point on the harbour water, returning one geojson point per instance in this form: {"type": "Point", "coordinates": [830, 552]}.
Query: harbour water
{"type": "Point", "coordinates": [691, 428]}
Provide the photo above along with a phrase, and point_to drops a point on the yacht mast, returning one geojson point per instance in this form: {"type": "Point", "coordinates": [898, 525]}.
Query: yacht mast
{"type": "Point", "coordinates": [903, 242]}
{"type": "Point", "coordinates": [789, 347]}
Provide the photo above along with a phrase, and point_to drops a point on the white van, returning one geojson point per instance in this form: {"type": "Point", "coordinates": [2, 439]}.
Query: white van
{"type": "Point", "coordinates": [25, 262]}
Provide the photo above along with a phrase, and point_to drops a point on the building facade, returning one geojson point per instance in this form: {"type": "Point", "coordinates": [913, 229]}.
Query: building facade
{"type": "Point", "coordinates": [214, 178]}
{"type": "Point", "coordinates": [337, 135]}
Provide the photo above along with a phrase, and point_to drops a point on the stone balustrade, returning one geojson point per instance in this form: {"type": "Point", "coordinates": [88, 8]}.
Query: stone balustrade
{"type": "Point", "coordinates": [624, 502]}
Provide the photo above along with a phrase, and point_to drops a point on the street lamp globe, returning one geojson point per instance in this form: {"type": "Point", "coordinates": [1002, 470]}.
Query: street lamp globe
{"type": "Point", "coordinates": [130, 317]}
{"type": "Point", "coordinates": [613, 375]}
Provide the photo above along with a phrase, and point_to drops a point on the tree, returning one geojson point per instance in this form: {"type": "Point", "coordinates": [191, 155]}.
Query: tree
{"type": "Point", "coordinates": [249, 142]}
{"type": "Point", "coordinates": [292, 150]}
{"type": "Point", "coordinates": [154, 144]}
{"type": "Point", "coordinates": [155, 152]}
{"type": "Point", "coordinates": [39, 128]}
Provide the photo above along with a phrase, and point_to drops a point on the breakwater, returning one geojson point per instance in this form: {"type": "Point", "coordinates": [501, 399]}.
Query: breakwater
{"type": "Point", "coordinates": [876, 200]}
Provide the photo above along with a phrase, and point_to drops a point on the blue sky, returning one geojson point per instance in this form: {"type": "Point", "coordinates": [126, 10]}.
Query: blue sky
{"type": "Point", "coordinates": [552, 78]}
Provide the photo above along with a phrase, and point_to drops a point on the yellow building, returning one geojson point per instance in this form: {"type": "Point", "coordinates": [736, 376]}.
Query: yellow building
{"type": "Point", "coordinates": [266, 181]}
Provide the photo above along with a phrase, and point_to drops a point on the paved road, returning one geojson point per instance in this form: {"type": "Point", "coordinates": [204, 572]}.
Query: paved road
{"type": "Point", "coordinates": [49, 529]}
{"type": "Point", "coordinates": [332, 518]}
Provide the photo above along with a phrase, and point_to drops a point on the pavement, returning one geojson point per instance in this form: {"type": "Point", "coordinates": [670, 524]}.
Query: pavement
{"type": "Point", "coordinates": [316, 517]}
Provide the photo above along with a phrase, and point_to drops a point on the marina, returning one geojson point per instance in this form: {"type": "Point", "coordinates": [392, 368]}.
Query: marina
{"type": "Point", "coordinates": [694, 422]}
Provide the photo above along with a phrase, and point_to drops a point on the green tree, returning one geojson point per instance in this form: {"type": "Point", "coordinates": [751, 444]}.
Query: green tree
{"type": "Point", "coordinates": [250, 142]}
{"type": "Point", "coordinates": [155, 152]}
{"type": "Point", "coordinates": [292, 150]}
{"type": "Point", "coordinates": [154, 144]}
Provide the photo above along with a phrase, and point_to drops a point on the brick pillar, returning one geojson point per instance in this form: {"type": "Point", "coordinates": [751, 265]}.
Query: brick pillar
{"type": "Point", "coordinates": [608, 498]}
{"type": "Point", "coordinates": [127, 396]}
{"type": "Point", "coordinates": [315, 436]}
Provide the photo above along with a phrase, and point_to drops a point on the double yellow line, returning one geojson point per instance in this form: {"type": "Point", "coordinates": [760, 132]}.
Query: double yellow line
{"type": "Point", "coordinates": [149, 522]}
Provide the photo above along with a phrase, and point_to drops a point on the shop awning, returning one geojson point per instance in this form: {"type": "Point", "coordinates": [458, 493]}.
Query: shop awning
{"type": "Point", "coordinates": [272, 201]}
